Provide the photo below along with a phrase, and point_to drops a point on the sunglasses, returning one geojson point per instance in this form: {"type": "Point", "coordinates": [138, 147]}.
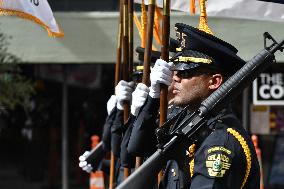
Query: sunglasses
{"type": "Point", "coordinates": [186, 74]}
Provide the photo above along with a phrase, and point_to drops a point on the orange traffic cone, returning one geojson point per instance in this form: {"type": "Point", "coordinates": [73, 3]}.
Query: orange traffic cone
{"type": "Point", "coordinates": [258, 153]}
{"type": "Point", "coordinates": [97, 180]}
{"type": "Point", "coordinates": [97, 177]}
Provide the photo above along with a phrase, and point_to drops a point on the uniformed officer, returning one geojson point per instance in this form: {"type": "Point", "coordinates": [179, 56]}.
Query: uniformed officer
{"type": "Point", "coordinates": [223, 156]}
{"type": "Point", "coordinates": [113, 121]}
{"type": "Point", "coordinates": [139, 97]}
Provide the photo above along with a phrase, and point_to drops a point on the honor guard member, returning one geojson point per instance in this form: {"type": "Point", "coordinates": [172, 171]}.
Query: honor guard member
{"type": "Point", "coordinates": [138, 99]}
{"type": "Point", "coordinates": [111, 131]}
{"type": "Point", "coordinates": [143, 141]}
{"type": "Point", "coordinates": [106, 137]}
{"type": "Point", "coordinates": [223, 156]}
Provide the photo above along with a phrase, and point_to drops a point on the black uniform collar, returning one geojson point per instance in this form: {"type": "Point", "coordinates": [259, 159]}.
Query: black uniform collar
{"type": "Point", "coordinates": [215, 116]}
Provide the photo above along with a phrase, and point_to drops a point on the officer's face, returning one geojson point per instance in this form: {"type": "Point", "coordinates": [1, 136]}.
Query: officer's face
{"type": "Point", "coordinates": [191, 87]}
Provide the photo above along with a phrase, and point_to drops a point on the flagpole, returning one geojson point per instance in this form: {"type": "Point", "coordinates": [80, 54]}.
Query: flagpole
{"type": "Point", "coordinates": [130, 17]}
{"type": "Point", "coordinates": [165, 57]}
{"type": "Point", "coordinates": [125, 68]}
{"type": "Point", "coordinates": [117, 78]}
{"type": "Point", "coordinates": [147, 53]}
{"type": "Point", "coordinates": [149, 40]}
{"type": "Point", "coordinates": [118, 49]}
{"type": "Point", "coordinates": [64, 129]}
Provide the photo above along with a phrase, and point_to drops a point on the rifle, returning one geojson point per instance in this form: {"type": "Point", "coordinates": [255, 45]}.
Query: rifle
{"type": "Point", "coordinates": [96, 155]}
{"type": "Point", "coordinates": [187, 131]}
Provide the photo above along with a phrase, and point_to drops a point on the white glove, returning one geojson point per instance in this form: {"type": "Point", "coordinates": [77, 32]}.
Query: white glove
{"type": "Point", "coordinates": [160, 74]}
{"type": "Point", "coordinates": [139, 97]}
{"type": "Point", "coordinates": [123, 92]}
{"type": "Point", "coordinates": [111, 104]}
{"type": "Point", "coordinates": [83, 163]}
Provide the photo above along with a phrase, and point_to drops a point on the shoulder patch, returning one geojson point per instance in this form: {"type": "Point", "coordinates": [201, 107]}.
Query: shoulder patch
{"type": "Point", "coordinates": [218, 161]}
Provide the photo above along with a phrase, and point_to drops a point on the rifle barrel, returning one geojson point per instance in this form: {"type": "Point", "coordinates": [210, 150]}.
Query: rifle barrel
{"type": "Point", "coordinates": [145, 175]}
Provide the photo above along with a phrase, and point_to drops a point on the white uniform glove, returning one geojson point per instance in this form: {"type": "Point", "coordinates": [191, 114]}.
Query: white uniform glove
{"type": "Point", "coordinates": [139, 97]}
{"type": "Point", "coordinates": [111, 104]}
{"type": "Point", "coordinates": [83, 163]}
{"type": "Point", "coordinates": [123, 92]}
{"type": "Point", "coordinates": [160, 74]}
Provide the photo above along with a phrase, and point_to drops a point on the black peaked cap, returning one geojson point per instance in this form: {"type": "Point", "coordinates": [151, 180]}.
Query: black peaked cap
{"type": "Point", "coordinates": [206, 50]}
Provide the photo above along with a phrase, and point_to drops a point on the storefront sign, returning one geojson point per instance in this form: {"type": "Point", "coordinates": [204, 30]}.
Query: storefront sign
{"type": "Point", "coordinates": [268, 89]}
{"type": "Point", "coordinates": [260, 119]}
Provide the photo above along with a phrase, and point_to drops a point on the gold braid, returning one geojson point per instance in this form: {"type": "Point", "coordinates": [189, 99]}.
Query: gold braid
{"type": "Point", "coordinates": [246, 151]}
{"type": "Point", "coordinates": [191, 151]}
{"type": "Point", "coordinates": [244, 146]}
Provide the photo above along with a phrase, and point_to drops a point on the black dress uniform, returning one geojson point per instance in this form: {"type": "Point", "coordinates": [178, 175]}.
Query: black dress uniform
{"type": "Point", "coordinates": [106, 143]}
{"type": "Point", "coordinates": [116, 133]}
{"type": "Point", "coordinates": [106, 136]}
{"type": "Point", "coordinates": [226, 157]}
{"type": "Point", "coordinates": [143, 142]}
{"type": "Point", "coordinates": [222, 157]}
{"type": "Point", "coordinates": [124, 158]}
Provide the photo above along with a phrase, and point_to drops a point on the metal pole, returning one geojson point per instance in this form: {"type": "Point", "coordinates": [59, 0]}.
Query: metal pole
{"type": "Point", "coordinates": [64, 130]}
{"type": "Point", "coordinates": [245, 109]}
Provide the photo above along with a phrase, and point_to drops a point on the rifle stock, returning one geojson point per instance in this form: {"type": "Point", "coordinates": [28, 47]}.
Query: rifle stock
{"type": "Point", "coordinates": [189, 128]}
{"type": "Point", "coordinates": [96, 155]}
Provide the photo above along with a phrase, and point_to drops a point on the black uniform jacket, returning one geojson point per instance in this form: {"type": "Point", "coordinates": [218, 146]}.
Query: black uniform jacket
{"type": "Point", "coordinates": [143, 140]}
{"type": "Point", "coordinates": [224, 158]}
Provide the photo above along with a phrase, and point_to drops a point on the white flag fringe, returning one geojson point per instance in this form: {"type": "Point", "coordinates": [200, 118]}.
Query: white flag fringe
{"type": "Point", "coordinates": [38, 11]}
{"type": "Point", "coordinates": [244, 9]}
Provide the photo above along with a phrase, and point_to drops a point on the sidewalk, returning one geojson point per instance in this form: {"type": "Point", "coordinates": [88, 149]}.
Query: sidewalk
{"type": "Point", "coordinates": [11, 179]}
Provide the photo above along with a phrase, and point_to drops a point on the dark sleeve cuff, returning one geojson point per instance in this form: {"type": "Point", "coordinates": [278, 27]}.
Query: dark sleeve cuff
{"type": "Point", "coordinates": [142, 140]}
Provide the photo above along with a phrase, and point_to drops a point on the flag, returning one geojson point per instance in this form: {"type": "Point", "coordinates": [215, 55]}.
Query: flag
{"type": "Point", "coordinates": [274, 1]}
{"type": "Point", "coordinates": [38, 11]}
{"type": "Point", "coordinates": [243, 9]}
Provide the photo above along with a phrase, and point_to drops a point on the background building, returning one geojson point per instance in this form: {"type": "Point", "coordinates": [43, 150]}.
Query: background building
{"type": "Point", "coordinates": [85, 57]}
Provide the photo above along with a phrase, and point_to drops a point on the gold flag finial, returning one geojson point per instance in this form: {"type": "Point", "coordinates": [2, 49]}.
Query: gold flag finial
{"type": "Point", "coordinates": [203, 24]}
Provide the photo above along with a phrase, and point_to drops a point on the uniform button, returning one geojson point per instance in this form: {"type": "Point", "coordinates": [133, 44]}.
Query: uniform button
{"type": "Point", "coordinates": [174, 172]}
